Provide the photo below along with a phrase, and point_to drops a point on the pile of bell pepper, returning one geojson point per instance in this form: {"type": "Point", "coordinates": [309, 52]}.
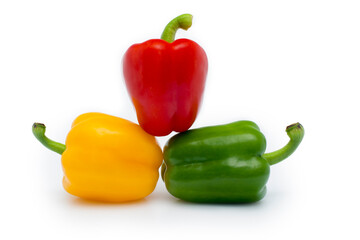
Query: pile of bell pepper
{"type": "Point", "coordinates": [110, 159]}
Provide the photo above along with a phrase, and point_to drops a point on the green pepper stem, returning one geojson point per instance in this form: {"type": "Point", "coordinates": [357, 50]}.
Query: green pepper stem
{"type": "Point", "coordinates": [296, 133]}
{"type": "Point", "coordinates": [38, 130]}
{"type": "Point", "coordinates": [183, 21]}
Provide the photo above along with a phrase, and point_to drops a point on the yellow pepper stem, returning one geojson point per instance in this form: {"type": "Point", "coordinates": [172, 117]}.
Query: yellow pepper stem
{"type": "Point", "coordinates": [38, 130]}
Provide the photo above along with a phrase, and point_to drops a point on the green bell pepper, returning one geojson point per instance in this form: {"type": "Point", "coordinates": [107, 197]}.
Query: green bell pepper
{"type": "Point", "coordinates": [222, 164]}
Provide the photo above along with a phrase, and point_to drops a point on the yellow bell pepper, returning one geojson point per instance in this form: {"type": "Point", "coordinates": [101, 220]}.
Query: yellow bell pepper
{"type": "Point", "coordinates": [106, 158]}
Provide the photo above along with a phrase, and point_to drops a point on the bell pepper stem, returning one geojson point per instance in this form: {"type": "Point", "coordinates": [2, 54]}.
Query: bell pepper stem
{"type": "Point", "coordinates": [38, 130]}
{"type": "Point", "coordinates": [296, 133]}
{"type": "Point", "coordinates": [183, 21]}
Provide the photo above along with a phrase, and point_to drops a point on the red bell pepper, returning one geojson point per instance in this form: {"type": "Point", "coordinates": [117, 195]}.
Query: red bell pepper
{"type": "Point", "coordinates": [166, 79]}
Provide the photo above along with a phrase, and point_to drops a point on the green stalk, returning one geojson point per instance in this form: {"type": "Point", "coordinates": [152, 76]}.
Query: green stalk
{"type": "Point", "coordinates": [183, 21]}
{"type": "Point", "coordinates": [38, 130]}
{"type": "Point", "coordinates": [296, 133]}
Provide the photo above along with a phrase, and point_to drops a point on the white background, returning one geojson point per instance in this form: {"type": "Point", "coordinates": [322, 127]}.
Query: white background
{"type": "Point", "coordinates": [272, 62]}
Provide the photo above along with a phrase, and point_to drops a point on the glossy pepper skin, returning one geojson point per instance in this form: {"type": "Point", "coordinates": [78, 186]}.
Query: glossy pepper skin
{"type": "Point", "coordinates": [222, 164]}
{"type": "Point", "coordinates": [106, 158]}
{"type": "Point", "coordinates": [166, 80]}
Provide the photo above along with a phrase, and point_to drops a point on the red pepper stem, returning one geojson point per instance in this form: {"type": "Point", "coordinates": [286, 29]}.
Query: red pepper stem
{"type": "Point", "coordinates": [38, 130]}
{"type": "Point", "coordinates": [183, 21]}
{"type": "Point", "coordinates": [296, 133]}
